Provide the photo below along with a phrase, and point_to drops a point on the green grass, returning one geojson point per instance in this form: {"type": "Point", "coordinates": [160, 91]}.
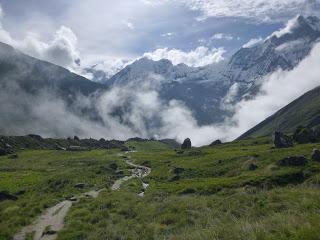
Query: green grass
{"type": "Point", "coordinates": [216, 196]}
{"type": "Point", "coordinates": [42, 178]}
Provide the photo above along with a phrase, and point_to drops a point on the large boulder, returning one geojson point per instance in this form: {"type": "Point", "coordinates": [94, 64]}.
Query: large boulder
{"type": "Point", "coordinates": [76, 138]}
{"type": "Point", "coordinates": [178, 170]}
{"type": "Point", "coordinates": [315, 155]}
{"type": "Point", "coordinates": [36, 137]}
{"type": "Point", "coordinates": [7, 196]}
{"type": "Point", "coordinates": [80, 185]}
{"type": "Point", "coordinates": [186, 144]}
{"type": "Point", "coordinates": [304, 135]}
{"type": "Point", "coordinates": [293, 161]}
{"type": "Point", "coordinates": [280, 140]}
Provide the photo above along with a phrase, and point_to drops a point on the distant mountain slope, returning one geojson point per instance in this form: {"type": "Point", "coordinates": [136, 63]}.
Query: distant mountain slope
{"type": "Point", "coordinates": [303, 111]}
{"type": "Point", "coordinates": [206, 90]}
{"type": "Point", "coordinates": [33, 75]}
{"type": "Point", "coordinates": [40, 97]}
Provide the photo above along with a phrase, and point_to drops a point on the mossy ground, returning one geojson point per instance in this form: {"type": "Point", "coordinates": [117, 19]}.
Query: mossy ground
{"type": "Point", "coordinates": [215, 196]}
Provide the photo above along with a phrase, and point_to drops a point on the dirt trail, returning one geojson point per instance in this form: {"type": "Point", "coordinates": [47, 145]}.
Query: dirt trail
{"type": "Point", "coordinates": [138, 172]}
{"type": "Point", "coordinates": [47, 226]}
{"type": "Point", "coordinates": [51, 222]}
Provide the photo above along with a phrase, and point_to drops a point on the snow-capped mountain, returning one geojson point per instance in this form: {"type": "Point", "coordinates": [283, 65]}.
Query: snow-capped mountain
{"type": "Point", "coordinates": [283, 49]}
{"type": "Point", "coordinates": [205, 90]}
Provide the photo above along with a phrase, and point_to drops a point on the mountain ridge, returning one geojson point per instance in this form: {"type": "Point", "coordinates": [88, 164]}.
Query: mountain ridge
{"type": "Point", "coordinates": [304, 111]}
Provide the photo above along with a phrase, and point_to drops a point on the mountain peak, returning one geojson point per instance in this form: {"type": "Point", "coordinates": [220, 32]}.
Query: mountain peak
{"type": "Point", "coordinates": [147, 61]}
{"type": "Point", "coordinates": [314, 22]}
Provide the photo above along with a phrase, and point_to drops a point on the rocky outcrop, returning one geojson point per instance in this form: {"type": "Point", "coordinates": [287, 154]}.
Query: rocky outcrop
{"type": "Point", "coordinates": [178, 170]}
{"type": "Point", "coordinates": [293, 161]}
{"type": "Point", "coordinates": [215, 143]}
{"type": "Point", "coordinates": [37, 137]}
{"type": "Point", "coordinates": [186, 144]}
{"type": "Point", "coordinates": [280, 140]}
{"type": "Point", "coordinates": [304, 135]}
{"type": "Point", "coordinates": [315, 155]}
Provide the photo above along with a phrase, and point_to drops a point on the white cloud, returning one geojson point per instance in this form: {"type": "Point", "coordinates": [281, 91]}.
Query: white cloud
{"type": "Point", "coordinates": [200, 56]}
{"type": "Point", "coordinates": [261, 10]}
{"type": "Point", "coordinates": [168, 34]}
{"type": "Point", "coordinates": [111, 66]}
{"type": "Point", "coordinates": [278, 90]}
{"type": "Point", "coordinates": [61, 50]}
{"type": "Point", "coordinates": [253, 42]}
{"type": "Point", "coordinates": [222, 36]}
{"type": "Point", "coordinates": [291, 25]}
{"type": "Point", "coordinates": [128, 24]}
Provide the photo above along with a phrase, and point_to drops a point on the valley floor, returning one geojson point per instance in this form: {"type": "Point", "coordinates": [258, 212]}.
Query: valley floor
{"type": "Point", "coordinates": [230, 191]}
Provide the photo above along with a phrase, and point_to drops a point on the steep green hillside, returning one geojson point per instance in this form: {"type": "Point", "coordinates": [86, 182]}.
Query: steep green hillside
{"type": "Point", "coordinates": [304, 111]}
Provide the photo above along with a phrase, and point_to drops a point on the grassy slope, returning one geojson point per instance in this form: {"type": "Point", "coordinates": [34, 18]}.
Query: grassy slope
{"type": "Point", "coordinates": [303, 111]}
{"type": "Point", "coordinates": [224, 200]}
{"type": "Point", "coordinates": [47, 177]}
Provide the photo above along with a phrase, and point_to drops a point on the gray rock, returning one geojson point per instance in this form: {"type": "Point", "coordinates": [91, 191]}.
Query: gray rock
{"type": "Point", "coordinates": [113, 166]}
{"type": "Point", "coordinates": [80, 185]}
{"type": "Point", "coordinates": [315, 155]}
{"type": "Point", "coordinates": [73, 199]}
{"type": "Point", "coordinates": [304, 135]}
{"type": "Point", "coordinates": [119, 172]}
{"type": "Point", "coordinates": [252, 166]}
{"type": "Point", "coordinates": [37, 137]}
{"type": "Point", "coordinates": [186, 144]}
{"type": "Point", "coordinates": [293, 161]}
{"type": "Point", "coordinates": [7, 196]}
{"type": "Point", "coordinates": [178, 170]}
{"type": "Point", "coordinates": [124, 149]}
{"type": "Point", "coordinates": [280, 140]}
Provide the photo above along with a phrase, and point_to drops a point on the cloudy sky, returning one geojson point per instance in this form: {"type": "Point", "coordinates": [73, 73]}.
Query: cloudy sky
{"type": "Point", "coordinates": [62, 31]}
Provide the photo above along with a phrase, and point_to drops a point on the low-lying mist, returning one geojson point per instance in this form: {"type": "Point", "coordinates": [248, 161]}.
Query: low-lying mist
{"type": "Point", "coordinates": [137, 110]}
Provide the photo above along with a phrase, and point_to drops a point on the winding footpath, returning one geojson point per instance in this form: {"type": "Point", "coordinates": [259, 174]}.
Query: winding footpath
{"type": "Point", "coordinates": [47, 226]}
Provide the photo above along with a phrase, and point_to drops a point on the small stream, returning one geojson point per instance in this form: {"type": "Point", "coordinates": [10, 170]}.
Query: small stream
{"type": "Point", "coordinates": [53, 218]}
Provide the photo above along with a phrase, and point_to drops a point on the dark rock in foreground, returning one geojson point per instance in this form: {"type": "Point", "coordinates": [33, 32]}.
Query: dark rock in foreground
{"type": "Point", "coordinates": [280, 140]}
{"type": "Point", "coordinates": [80, 185]}
{"type": "Point", "coordinates": [304, 135]}
{"type": "Point", "coordinates": [315, 155]}
{"type": "Point", "coordinates": [293, 161]}
{"type": "Point", "coordinates": [186, 144]}
{"type": "Point", "coordinates": [7, 196]}
{"type": "Point", "coordinates": [125, 149]}
{"type": "Point", "coordinates": [252, 167]}
{"type": "Point", "coordinates": [178, 170]}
